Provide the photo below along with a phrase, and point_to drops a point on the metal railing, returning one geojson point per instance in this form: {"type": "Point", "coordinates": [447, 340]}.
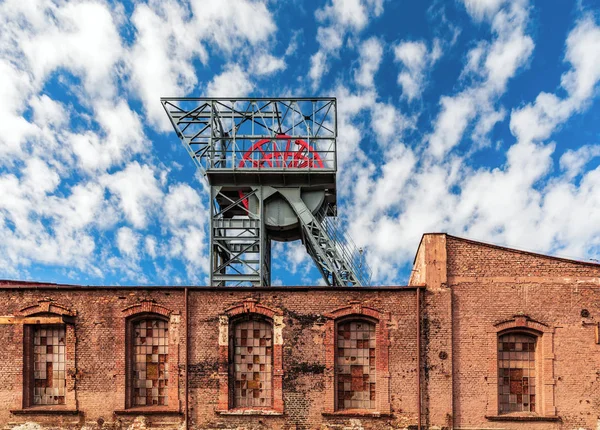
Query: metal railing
{"type": "Point", "coordinates": [248, 133]}
{"type": "Point", "coordinates": [353, 256]}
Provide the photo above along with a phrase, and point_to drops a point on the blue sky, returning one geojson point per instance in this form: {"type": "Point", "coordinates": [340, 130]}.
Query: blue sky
{"type": "Point", "coordinates": [479, 118]}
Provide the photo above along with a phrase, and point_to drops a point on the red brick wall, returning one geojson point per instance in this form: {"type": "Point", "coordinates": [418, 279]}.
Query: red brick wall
{"type": "Point", "coordinates": [491, 285]}
{"type": "Point", "coordinates": [473, 292]}
{"type": "Point", "coordinates": [100, 336]}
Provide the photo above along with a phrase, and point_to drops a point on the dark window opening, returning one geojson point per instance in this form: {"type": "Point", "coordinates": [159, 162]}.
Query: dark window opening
{"type": "Point", "coordinates": [516, 373]}
{"type": "Point", "coordinates": [150, 362]}
{"type": "Point", "coordinates": [252, 364]}
{"type": "Point", "coordinates": [49, 361]}
{"type": "Point", "coordinates": [355, 365]}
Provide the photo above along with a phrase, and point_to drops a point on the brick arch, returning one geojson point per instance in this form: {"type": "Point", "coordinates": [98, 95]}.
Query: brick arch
{"type": "Point", "coordinates": [252, 306]}
{"type": "Point", "coordinates": [47, 306]}
{"type": "Point", "coordinates": [147, 306]}
{"type": "Point", "coordinates": [356, 310]}
{"type": "Point", "coordinates": [522, 322]}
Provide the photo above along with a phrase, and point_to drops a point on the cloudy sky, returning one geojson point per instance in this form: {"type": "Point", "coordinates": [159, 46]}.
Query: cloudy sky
{"type": "Point", "coordinates": [479, 118]}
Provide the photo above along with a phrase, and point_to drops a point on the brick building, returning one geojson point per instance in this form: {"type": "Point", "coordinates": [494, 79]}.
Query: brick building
{"type": "Point", "coordinates": [502, 339]}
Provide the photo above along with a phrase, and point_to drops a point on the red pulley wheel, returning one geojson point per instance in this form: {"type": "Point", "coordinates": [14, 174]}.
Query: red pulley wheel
{"type": "Point", "coordinates": [300, 155]}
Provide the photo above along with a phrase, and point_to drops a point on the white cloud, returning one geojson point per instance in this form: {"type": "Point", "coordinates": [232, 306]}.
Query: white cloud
{"type": "Point", "coordinates": [342, 17]}
{"type": "Point", "coordinates": [371, 52]}
{"type": "Point", "coordinates": [232, 82]}
{"type": "Point", "coordinates": [521, 203]}
{"type": "Point", "coordinates": [415, 58]}
{"type": "Point", "coordinates": [583, 53]}
{"type": "Point", "coordinates": [318, 67]}
{"type": "Point", "coordinates": [450, 125]}
{"type": "Point", "coordinates": [137, 192]}
{"type": "Point", "coordinates": [38, 226]}
{"type": "Point", "coordinates": [346, 13]}
{"type": "Point", "coordinates": [388, 123]}
{"type": "Point", "coordinates": [266, 65]}
{"type": "Point", "coordinates": [296, 257]}
{"type": "Point", "coordinates": [150, 245]}
{"type": "Point", "coordinates": [82, 37]}
{"type": "Point", "coordinates": [480, 9]}
{"type": "Point", "coordinates": [169, 39]}
{"type": "Point", "coordinates": [572, 161]}
{"type": "Point", "coordinates": [122, 137]}
{"type": "Point", "coordinates": [186, 218]}
{"type": "Point", "coordinates": [48, 112]}
{"type": "Point", "coordinates": [127, 242]}
{"type": "Point", "coordinates": [538, 120]}
{"type": "Point", "coordinates": [490, 65]}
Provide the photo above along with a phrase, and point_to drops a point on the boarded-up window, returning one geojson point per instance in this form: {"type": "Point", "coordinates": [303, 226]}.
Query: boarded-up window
{"type": "Point", "coordinates": [150, 362]}
{"type": "Point", "coordinates": [253, 364]}
{"type": "Point", "coordinates": [516, 373]}
{"type": "Point", "coordinates": [49, 357]}
{"type": "Point", "coordinates": [355, 365]}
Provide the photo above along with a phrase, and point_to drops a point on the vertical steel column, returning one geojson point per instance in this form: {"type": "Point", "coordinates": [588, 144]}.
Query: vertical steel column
{"type": "Point", "coordinates": [213, 255]}
{"type": "Point", "coordinates": [265, 276]}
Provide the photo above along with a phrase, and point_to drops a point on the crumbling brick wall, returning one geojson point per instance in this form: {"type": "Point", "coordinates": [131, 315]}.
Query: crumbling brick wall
{"type": "Point", "coordinates": [100, 316]}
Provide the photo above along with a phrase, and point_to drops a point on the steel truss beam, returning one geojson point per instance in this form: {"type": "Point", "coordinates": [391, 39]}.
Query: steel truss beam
{"type": "Point", "coordinates": [217, 132]}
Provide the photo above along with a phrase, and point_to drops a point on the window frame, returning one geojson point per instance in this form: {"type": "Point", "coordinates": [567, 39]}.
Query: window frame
{"type": "Point", "coordinates": [46, 313]}
{"type": "Point", "coordinates": [348, 320]}
{"type": "Point", "coordinates": [356, 311]}
{"type": "Point", "coordinates": [31, 363]}
{"type": "Point", "coordinates": [536, 337]}
{"type": "Point", "coordinates": [545, 379]}
{"type": "Point", "coordinates": [231, 378]}
{"type": "Point", "coordinates": [129, 359]}
{"type": "Point", "coordinates": [144, 310]}
{"type": "Point", "coordinates": [225, 405]}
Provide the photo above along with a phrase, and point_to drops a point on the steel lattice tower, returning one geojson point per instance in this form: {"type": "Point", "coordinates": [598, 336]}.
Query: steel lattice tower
{"type": "Point", "coordinates": [271, 168]}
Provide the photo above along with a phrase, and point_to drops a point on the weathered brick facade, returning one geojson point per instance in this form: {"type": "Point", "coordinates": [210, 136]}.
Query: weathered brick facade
{"type": "Point", "coordinates": [470, 294]}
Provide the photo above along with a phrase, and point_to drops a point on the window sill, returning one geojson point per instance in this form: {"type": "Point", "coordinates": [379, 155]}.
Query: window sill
{"type": "Point", "coordinates": [262, 412]}
{"type": "Point", "coordinates": [45, 410]}
{"type": "Point", "coordinates": [149, 410]}
{"type": "Point", "coordinates": [522, 418]}
{"type": "Point", "coordinates": [356, 413]}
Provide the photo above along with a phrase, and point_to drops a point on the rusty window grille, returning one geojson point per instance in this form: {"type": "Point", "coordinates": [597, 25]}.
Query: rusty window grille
{"type": "Point", "coordinates": [49, 359]}
{"type": "Point", "coordinates": [355, 365]}
{"type": "Point", "coordinates": [150, 362]}
{"type": "Point", "coordinates": [253, 364]}
{"type": "Point", "coordinates": [516, 373]}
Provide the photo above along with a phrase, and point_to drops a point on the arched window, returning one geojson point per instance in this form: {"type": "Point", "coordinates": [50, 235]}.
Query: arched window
{"type": "Point", "coordinates": [252, 364]}
{"type": "Point", "coordinates": [516, 372]}
{"type": "Point", "coordinates": [49, 361]}
{"type": "Point", "coordinates": [355, 370]}
{"type": "Point", "coordinates": [149, 361]}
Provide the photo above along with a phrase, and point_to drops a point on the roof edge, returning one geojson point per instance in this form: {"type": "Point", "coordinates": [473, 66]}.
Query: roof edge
{"type": "Point", "coordinates": [9, 284]}
{"type": "Point", "coordinates": [520, 251]}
